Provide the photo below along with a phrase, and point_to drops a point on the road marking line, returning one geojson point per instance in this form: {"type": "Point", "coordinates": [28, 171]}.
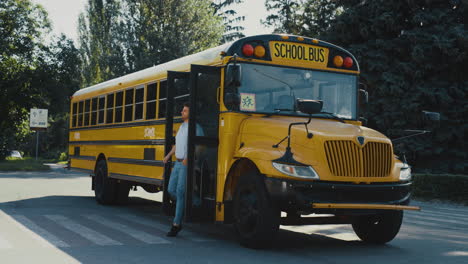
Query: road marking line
{"type": "Point", "coordinates": [83, 231]}
{"type": "Point", "coordinates": [40, 231]}
{"type": "Point", "coordinates": [153, 224]}
{"type": "Point", "coordinates": [43, 242]}
{"type": "Point", "coordinates": [137, 234]}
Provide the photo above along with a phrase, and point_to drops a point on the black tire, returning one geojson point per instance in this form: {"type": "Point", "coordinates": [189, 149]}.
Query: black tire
{"type": "Point", "coordinates": [256, 218]}
{"type": "Point", "coordinates": [104, 187]}
{"type": "Point", "coordinates": [379, 228]}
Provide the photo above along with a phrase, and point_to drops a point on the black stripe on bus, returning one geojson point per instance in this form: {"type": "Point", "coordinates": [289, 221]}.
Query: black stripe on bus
{"type": "Point", "coordinates": [136, 178]}
{"type": "Point", "coordinates": [156, 163]}
{"type": "Point", "coordinates": [135, 124]}
{"type": "Point", "coordinates": [119, 142]}
{"type": "Point", "coordinates": [83, 157]}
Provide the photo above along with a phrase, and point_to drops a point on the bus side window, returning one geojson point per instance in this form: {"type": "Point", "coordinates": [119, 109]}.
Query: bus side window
{"type": "Point", "coordinates": [139, 92]}
{"type": "Point", "coordinates": [181, 95]}
{"type": "Point", "coordinates": [94, 111]}
{"type": "Point", "coordinates": [151, 91]}
{"type": "Point", "coordinates": [162, 99]}
{"type": "Point", "coordinates": [110, 109]}
{"type": "Point", "coordinates": [129, 104]}
{"type": "Point", "coordinates": [118, 107]}
{"type": "Point", "coordinates": [80, 114]}
{"type": "Point", "coordinates": [86, 113]}
{"type": "Point", "coordinates": [101, 104]}
{"type": "Point", "coordinates": [75, 113]}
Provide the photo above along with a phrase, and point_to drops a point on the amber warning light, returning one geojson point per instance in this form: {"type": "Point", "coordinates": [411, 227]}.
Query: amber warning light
{"type": "Point", "coordinates": [339, 62]}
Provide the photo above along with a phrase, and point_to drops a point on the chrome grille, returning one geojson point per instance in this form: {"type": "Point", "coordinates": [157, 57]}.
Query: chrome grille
{"type": "Point", "coordinates": [345, 158]}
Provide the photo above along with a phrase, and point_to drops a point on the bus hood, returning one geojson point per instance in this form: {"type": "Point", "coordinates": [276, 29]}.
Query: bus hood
{"type": "Point", "coordinates": [259, 134]}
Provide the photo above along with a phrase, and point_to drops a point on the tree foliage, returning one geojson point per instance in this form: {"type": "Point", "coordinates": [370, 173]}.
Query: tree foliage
{"type": "Point", "coordinates": [123, 36]}
{"type": "Point", "coordinates": [32, 74]}
{"type": "Point", "coordinates": [412, 55]}
{"type": "Point", "coordinates": [232, 27]}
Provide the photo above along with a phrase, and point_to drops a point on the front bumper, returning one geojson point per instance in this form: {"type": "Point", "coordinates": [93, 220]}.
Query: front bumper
{"type": "Point", "coordinates": [321, 196]}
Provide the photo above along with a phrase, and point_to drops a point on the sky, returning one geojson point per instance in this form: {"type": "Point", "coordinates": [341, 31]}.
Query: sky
{"type": "Point", "coordinates": [64, 16]}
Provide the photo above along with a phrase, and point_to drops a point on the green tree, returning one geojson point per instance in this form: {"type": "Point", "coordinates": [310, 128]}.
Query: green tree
{"type": "Point", "coordinates": [286, 17]}
{"type": "Point", "coordinates": [232, 27]}
{"type": "Point", "coordinates": [99, 33]}
{"type": "Point", "coordinates": [22, 26]}
{"type": "Point", "coordinates": [412, 55]}
{"type": "Point", "coordinates": [302, 17]}
{"type": "Point", "coordinates": [142, 33]}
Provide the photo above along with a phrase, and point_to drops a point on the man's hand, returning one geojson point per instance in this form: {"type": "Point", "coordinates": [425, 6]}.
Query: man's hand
{"type": "Point", "coordinates": [166, 159]}
{"type": "Point", "coordinates": [184, 162]}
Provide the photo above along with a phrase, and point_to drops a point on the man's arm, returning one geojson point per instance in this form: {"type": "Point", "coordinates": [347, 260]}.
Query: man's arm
{"type": "Point", "coordinates": [169, 155]}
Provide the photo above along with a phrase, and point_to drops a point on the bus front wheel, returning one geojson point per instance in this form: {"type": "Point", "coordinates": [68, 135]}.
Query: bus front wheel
{"type": "Point", "coordinates": [104, 187]}
{"type": "Point", "coordinates": [379, 228]}
{"type": "Point", "coordinates": [256, 218]}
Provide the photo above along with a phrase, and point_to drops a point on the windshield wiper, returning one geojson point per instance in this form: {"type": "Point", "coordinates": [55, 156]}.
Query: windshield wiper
{"type": "Point", "coordinates": [333, 116]}
{"type": "Point", "coordinates": [276, 111]}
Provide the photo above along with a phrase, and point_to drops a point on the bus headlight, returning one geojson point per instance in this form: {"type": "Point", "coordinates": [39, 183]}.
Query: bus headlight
{"type": "Point", "coordinates": [405, 173]}
{"type": "Point", "coordinates": [306, 172]}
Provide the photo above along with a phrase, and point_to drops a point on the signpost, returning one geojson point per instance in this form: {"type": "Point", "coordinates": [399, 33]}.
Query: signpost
{"type": "Point", "coordinates": [37, 122]}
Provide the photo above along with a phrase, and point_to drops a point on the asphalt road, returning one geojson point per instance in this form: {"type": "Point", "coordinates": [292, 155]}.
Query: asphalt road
{"type": "Point", "coordinates": [52, 217]}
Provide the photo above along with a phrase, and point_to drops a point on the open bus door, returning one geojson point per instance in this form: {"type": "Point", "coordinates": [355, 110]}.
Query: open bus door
{"type": "Point", "coordinates": [205, 83]}
{"type": "Point", "coordinates": [177, 90]}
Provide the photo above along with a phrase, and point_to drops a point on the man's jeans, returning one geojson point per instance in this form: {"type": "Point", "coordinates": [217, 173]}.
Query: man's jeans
{"type": "Point", "coordinates": [176, 189]}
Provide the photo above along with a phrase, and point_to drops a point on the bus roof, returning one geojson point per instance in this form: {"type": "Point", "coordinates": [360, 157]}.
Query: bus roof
{"type": "Point", "coordinates": [208, 57]}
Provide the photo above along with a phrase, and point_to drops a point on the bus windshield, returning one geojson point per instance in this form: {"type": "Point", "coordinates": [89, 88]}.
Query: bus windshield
{"type": "Point", "coordinates": [273, 89]}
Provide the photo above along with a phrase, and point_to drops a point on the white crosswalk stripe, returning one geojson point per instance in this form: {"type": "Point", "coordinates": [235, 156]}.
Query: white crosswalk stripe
{"type": "Point", "coordinates": [137, 234]}
{"type": "Point", "coordinates": [83, 231]}
{"type": "Point", "coordinates": [40, 231]}
{"type": "Point", "coordinates": [4, 244]}
{"type": "Point", "coordinates": [154, 224]}
{"type": "Point", "coordinates": [32, 233]}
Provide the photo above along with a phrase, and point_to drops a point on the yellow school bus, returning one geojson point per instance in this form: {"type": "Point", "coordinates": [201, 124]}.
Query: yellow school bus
{"type": "Point", "coordinates": [282, 139]}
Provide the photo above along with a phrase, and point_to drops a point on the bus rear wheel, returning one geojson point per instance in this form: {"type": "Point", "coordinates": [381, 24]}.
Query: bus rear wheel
{"type": "Point", "coordinates": [104, 187]}
{"type": "Point", "coordinates": [256, 218]}
{"type": "Point", "coordinates": [378, 228]}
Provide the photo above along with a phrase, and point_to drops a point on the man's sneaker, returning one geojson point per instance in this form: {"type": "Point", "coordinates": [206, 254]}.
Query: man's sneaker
{"type": "Point", "coordinates": [174, 230]}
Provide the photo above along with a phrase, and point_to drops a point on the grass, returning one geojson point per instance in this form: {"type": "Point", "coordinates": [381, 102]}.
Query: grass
{"type": "Point", "coordinates": [445, 187]}
{"type": "Point", "coordinates": [26, 164]}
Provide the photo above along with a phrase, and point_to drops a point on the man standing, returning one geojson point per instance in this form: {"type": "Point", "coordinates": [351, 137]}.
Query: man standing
{"type": "Point", "coordinates": [178, 177]}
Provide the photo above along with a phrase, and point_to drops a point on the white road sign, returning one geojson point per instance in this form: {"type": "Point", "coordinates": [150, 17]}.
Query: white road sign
{"type": "Point", "coordinates": [38, 118]}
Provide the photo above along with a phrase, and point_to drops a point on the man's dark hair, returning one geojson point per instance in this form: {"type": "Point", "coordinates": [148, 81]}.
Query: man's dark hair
{"type": "Point", "coordinates": [187, 104]}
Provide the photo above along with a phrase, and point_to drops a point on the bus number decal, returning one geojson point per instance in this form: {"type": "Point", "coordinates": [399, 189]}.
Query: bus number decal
{"type": "Point", "coordinates": [149, 132]}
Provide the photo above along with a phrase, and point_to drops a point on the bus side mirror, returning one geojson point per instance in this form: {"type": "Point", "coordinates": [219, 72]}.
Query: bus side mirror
{"type": "Point", "coordinates": [234, 76]}
{"type": "Point", "coordinates": [363, 97]}
{"type": "Point", "coordinates": [232, 101]}
{"type": "Point", "coordinates": [309, 106]}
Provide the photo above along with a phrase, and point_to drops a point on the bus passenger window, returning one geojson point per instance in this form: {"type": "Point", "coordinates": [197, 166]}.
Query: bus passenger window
{"type": "Point", "coordinates": [80, 115]}
{"type": "Point", "coordinates": [94, 111]}
{"type": "Point", "coordinates": [118, 107]}
{"type": "Point", "coordinates": [110, 109]}
{"type": "Point", "coordinates": [75, 113]}
{"type": "Point", "coordinates": [162, 99]}
{"type": "Point", "coordinates": [129, 104]}
{"type": "Point", "coordinates": [101, 104]}
{"type": "Point", "coordinates": [86, 113]}
{"type": "Point", "coordinates": [181, 95]}
{"type": "Point", "coordinates": [139, 103]}
{"type": "Point", "coordinates": [151, 101]}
